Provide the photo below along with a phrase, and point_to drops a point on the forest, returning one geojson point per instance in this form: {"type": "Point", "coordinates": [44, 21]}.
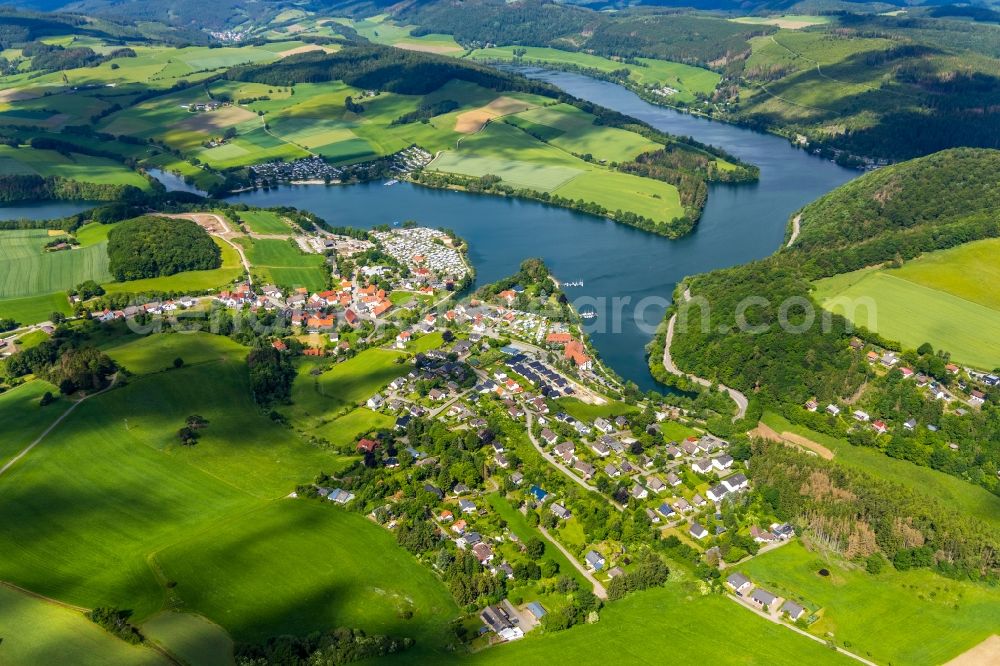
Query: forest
{"type": "Point", "coordinates": [146, 247]}
{"type": "Point", "coordinates": [862, 517]}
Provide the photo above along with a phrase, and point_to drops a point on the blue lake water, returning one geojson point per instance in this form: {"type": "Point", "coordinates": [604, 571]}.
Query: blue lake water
{"type": "Point", "coordinates": [43, 210]}
{"type": "Point", "coordinates": [740, 223]}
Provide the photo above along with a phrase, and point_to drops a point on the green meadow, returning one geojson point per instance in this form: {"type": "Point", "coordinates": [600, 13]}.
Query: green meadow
{"type": "Point", "coordinates": [112, 484]}
{"type": "Point", "coordinates": [686, 79]}
{"type": "Point", "coordinates": [888, 618]}
{"type": "Point", "coordinates": [283, 263]}
{"type": "Point", "coordinates": [264, 222]}
{"type": "Point", "coordinates": [588, 412]}
{"type": "Point", "coordinates": [192, 638]}
{"type": "Point", "coordinates": [75, 166]}
{"type": "Point", "coordinates": [915, 306]}
{"type": "Point", "coordinates": [42, 632]}
{"type": "Point", "coordinates": [675, 623]}
{"type": "Point", "coordinates": [294, 566]}
{"type": "Point", "coordinates": [22, 419]}
{"type": "Point", "coordinates": [319, 398]}
{"type": "Point", "coordinates": [33, 309]}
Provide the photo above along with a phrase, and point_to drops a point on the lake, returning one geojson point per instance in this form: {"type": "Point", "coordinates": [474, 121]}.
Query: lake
{"type": "Point", "coordinates": [43, 210]}
{"type": "Point", "coordinates": [740, 223]}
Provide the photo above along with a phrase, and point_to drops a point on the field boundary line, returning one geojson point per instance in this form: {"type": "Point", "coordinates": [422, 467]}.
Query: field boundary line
{"type": "Point", "coordinates": [13, 461]}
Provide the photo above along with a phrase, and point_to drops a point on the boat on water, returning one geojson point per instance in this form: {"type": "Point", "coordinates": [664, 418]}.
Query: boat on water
{"type": "Point", "coordinates": [589, 314]}
{"type": "Point", "coordinates": [575, 283]}
{"type": "Point", "coordinates": [390, 182]}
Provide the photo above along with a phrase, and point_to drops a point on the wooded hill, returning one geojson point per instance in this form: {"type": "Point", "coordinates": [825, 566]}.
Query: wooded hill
{"type": "Point", "coordinates": [926, 204]}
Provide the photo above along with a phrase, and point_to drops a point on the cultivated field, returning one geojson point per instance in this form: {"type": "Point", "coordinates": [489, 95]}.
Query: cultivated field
{"type": "Point", "coordinates": [264, 222]}
{"type": "Point", "coordinates": [889, 617]}
{"type": "Point", "coordinates": [909, 309]}
{"type": "Point", "coordinates": [27, 270]}
{"type": "Point", "coordinates": [282, 263]}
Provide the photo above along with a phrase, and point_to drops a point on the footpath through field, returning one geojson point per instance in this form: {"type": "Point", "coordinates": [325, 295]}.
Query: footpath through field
{"type": "Point", "coordinates": [13, 461]}
{"type": "Point", "coordinates": [599, 590]}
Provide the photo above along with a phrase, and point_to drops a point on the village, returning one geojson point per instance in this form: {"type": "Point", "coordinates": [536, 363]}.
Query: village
{"type": "Point", "coordinates": [539, 478]}
{"type": "Point", "coordinates": [316, 170]}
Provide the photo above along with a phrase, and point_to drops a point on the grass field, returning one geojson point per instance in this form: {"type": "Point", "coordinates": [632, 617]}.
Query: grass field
{"type": "Point", "coordinates": [41, 632]}
{"type": "Point", "coordinates": [344, 430]}
{"type": "Point", "coordinates": [264, 222]}
{"type": "Point", "coordinates": [296, 566]}
{"type": "Point", "coordinates": [907, 309]}
{"type": "Point", "coordinates": [588, 412]}
{"type": "Point", "coordinates": [111, 483]}
{"type": "Point", "coordinates": [34, 309]}
{"type": "Point", "coordinates": [686, 79]}
{"type": "Point", "coordinates": [521, 160]}
{"type": "Point", "coordinates": [282, 263]}
{"type": "Point", "coordinates": [192, 638]}
{"type": "Point", "coordinates": [674, 620]}
{"type": "Point", "coordinates": [27, 270]}
{"type": "Point", "coordinates": [969, 499]}
{"type": "Point", "coordinates": [577, 133]}
{"type": "Point", "coordinates": [316, 399]}
{"type": "Point", "coordinates": [890, 618]}
{"type": "Point", "coordinates": [785, 21]}
{"type": "Point", "coordinates": [75, 166]}
{"type": "Point", "coordinates": [970, 271]}
{"type": "Point", "coordinates": [22, 419]}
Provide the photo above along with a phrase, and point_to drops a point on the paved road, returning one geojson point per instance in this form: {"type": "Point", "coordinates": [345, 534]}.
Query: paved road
{"type": "Point", "coordinates": [13, 461]}
{"type": "Point", "coordinates": [741, 400]}
{"type": "Point", "coordinates": [599, 590]}
{"type": "Point", "coordinates": [558, 465]}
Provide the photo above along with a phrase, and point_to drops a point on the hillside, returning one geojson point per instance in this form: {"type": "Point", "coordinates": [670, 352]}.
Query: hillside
{"type": "Point", "coordinates": [764, 333]}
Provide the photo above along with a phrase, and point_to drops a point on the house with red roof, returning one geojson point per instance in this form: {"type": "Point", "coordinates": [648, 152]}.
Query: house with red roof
{"type": "Point", "coordinates": [574, 351]}
{"type": "Point", "coordinates": [367, 445]}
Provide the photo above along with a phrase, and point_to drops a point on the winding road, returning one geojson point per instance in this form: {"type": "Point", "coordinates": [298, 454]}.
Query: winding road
{"type": "Point", "coordinates": [795, 229]}
{"type": "Point", "coordinates": [741, 400]}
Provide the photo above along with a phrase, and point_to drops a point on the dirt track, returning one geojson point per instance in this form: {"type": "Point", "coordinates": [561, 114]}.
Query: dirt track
{"type": "Point", "coordinates": [767, 432]}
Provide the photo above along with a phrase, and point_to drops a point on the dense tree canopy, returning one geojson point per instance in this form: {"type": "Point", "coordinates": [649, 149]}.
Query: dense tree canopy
{"type": "Point", "coordinates": [148, 246]}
